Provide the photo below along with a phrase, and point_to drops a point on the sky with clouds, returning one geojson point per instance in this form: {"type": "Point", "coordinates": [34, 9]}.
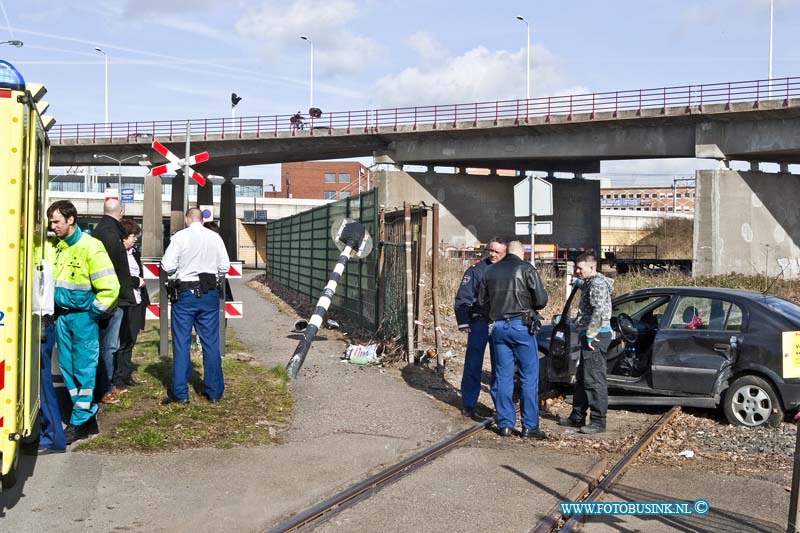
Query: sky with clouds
{"type": "Point", "coordinates": [179, 59]}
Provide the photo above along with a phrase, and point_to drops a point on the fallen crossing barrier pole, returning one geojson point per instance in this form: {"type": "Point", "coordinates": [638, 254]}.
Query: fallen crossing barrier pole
{"type": "Point", "coordinates": [350, 236]}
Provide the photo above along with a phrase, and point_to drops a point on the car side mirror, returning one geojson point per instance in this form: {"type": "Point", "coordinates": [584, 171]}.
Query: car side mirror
{"type": "Point", "coordinates": [555, 320]}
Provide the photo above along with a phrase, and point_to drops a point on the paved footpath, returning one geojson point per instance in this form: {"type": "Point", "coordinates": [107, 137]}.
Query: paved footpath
{"type": "Point", "coordinates": [349, 422]}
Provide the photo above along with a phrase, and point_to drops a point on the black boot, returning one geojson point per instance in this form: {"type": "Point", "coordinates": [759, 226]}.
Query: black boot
{"type": "Point", "coordinates": [74, 433]}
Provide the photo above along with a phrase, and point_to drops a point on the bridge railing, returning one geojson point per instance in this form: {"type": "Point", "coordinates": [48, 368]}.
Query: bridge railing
{"type": "Point", "coordinates": [691, 97]}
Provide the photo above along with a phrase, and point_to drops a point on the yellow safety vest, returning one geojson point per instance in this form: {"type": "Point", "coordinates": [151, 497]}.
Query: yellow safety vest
{"type": "Point", "coordinates": [84, 275]}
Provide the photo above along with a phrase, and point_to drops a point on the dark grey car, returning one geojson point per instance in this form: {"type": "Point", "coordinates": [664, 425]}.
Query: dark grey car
{"type": "Point", "coordinates": [692, 346]}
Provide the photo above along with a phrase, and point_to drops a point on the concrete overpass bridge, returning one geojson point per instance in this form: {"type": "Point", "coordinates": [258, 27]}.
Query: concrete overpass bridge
{"type": "Point", "coordinates": [756, 121]}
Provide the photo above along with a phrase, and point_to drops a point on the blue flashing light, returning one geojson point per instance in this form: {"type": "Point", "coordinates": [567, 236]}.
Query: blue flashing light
{"type": "Point", "coordinates": [10, 78]}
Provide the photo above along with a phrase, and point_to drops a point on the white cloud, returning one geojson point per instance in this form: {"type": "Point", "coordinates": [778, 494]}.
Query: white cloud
{"type": "Point", "coordinates": [275, 28]}
{"type": "Point", "coordinates": [429, 49]}
{"type": "Point", "coordinates": [176, 22]}
{"type": "Point", "coordinates": [478, 75]}
{"type": "Point", "coordinates": [159, 7]}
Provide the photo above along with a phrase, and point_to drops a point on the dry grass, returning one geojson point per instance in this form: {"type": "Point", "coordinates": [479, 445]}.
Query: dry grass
{"type": "Point", "coordinates": [451, 271]}
{"type": "Point", "coordinates": [673, 236]}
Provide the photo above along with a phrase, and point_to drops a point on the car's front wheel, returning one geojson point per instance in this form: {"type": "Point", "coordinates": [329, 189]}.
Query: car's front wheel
{"type": "Point", "coordinates": [751, 401]}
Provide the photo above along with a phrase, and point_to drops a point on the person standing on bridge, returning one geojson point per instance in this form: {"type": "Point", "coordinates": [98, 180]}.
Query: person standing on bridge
{"type": "Point", "coordinates": [594, 325]}
{"type": "Point", "coordinates": [474, 321]}
{"type": "Point", "coordinates": [197, 256]}
{"type": "Point", "coordinates": [513, 292]}
{"type": "Point", "coordinates": [110, 232]}
{"type": "Point", "coordinates": [86, 290]}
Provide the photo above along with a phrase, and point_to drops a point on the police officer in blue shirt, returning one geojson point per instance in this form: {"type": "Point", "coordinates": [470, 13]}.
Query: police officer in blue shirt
{"type": "Point", "coordinates": [474, 321]}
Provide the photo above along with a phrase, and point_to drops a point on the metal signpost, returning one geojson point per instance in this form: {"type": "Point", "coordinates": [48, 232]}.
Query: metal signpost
{"type": "Point", "coordinates": [530, 201]}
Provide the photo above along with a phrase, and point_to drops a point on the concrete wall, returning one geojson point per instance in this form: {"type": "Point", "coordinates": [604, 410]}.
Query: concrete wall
{"type": "Point", "coordinates": [747, 222]}
{"type": "Point", "coordinates": [92, 204]}
{"type": "Point", "coordinates": [250, 237]}
{"type": "Point", "coordinates": [472, 208]}
{"type": "Point", "coordinates": [477, 208]}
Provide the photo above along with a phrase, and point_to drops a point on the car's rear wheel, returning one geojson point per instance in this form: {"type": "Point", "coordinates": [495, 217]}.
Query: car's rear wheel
{"type": "Point", "coordinates": [751, 401]}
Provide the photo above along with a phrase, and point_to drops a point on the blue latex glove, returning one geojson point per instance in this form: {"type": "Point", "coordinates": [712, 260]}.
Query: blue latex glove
{"type": "Point", "coordinates": [577, 282]}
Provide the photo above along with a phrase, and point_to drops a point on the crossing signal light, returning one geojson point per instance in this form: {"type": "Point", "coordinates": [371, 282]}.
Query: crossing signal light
{"type": "Point", "coordinates": [235, 99]}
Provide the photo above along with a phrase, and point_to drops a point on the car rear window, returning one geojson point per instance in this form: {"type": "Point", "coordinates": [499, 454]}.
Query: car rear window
{"type": "Point", "coordinates": [785, 308]}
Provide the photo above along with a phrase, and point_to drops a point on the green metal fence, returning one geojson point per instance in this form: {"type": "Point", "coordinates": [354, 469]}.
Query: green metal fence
{"type": "Point", "coordinates": [301, 255]}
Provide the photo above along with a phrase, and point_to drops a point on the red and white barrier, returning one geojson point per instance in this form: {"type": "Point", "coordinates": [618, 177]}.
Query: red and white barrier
{"type": "Point", "coordinates": [152, 270]}
{"type": "Point", "coordinates": [232, 310]}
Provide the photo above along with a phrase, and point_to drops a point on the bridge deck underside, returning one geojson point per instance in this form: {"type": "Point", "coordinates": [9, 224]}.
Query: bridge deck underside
{"type": "Point", "coordinates": [767, 132]}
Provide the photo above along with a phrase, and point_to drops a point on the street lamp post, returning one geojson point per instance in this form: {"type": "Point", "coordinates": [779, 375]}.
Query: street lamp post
{"type": "Point", "coordinates": [105, 56]}
{"type": "Point", "coordinates": [14, 43]}
{"type": "Point", "coordinates": [311, 88]}
{"type": "Point", "coordinates": [119, 163]}
{"type": "Point", "coordinates": [528, 71]}
{"type": "Point", "coordinates": [769, 74]}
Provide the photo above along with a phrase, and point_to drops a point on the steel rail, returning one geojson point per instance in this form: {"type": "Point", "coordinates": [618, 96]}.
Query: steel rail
{"type": "Point", "coordinates": [573, 523]}
{"type": "Point", "coordinates": [366, 488]}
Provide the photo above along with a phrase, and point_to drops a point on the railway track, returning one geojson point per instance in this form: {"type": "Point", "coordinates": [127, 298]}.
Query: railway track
{"type": "Point", "coordinates": [600, 484]}
{"type": "Point", "coordinates": [363, 490]}
{"type": "Point", "coordinates": [586, 491]}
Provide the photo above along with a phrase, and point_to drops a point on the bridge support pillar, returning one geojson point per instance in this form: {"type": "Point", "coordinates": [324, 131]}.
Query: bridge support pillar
{"type": "Point", "coordinates": [227, 213]}
{"type": "Point", "coordinates": [746, 222]}
{"type": "Point", "coordinates": [205, 194]}
{"type": "Point", "coordinates": [176, 214]}
{"type": "Point", "coordinates": [152, 218]}
{"type": "Point", "coordinates": [475, 208]}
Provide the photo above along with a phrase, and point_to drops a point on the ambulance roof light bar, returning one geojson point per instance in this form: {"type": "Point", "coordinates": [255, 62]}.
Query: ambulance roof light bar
{"type": "Point", "coordinates": [10, 78]}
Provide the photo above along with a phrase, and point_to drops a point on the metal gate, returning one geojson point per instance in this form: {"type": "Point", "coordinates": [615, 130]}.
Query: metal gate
{"type": "Point", "coordinates": [402, 267]}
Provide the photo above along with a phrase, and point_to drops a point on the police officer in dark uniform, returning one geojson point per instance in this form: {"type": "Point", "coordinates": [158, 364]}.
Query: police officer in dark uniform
{"type": "Point", "coordinates": [513, 292]}
{"type": "Point", "coordinates": [474, 321]}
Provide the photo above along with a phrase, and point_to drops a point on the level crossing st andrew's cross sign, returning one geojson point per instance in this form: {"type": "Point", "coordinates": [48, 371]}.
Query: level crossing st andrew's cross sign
{"type": "Point", "coordinates": [176, 163]}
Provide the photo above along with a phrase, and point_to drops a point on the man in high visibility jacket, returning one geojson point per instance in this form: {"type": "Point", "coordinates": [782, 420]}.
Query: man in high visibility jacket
{"type": "Point", "coordinates": [86, 289]}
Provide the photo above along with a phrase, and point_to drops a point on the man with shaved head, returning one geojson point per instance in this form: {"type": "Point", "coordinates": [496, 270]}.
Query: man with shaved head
{"type": "Point", "coordinates": [111, 233]}
{"type": "Point", "coordinates": [197, 257]}
{"type": "Point", "coordinates": [513, 292]}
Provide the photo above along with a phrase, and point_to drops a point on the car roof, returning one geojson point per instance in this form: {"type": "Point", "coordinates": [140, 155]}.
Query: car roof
{"type": "Point", "coordinates": [709, 291]}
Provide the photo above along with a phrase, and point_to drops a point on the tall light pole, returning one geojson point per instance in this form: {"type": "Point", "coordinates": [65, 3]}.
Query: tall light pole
{"type": "Point", "coordinates": [769, 75]}
{"type": "Point", "coordinates": [14, 43]}
{"type": "Point", "coordinates": [311, 90]}
{"type": "Point", "coordinates": [119, 162]}
{"type": "Point", "coordinates": [528, 71]}
{"type": "Point", "coordinates": [105, 56]}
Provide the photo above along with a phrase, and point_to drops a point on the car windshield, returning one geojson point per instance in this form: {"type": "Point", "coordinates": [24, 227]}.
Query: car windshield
{"type": "Point", "coordinates": [637, 307]}
{"type": "Point", "coordinates": [785, 308]}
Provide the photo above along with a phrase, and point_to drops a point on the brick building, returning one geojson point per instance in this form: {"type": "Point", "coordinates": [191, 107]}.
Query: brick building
{"type": "Point", "coordinates": [663, 199]}
{"type": "Point", "coordinates": [323, 180]}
